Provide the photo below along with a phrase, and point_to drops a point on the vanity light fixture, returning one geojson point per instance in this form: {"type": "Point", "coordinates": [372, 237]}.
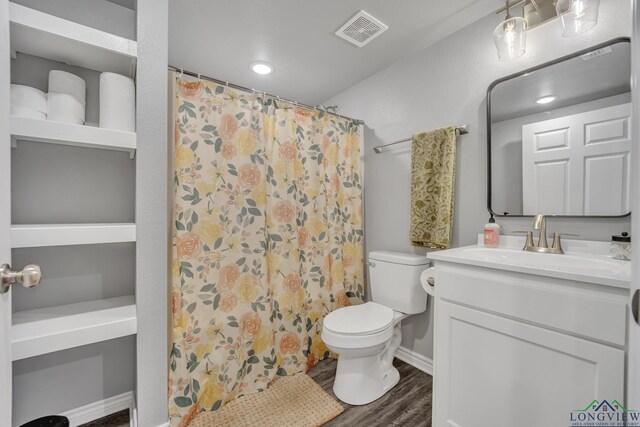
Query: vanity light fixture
{"type": "Point", "coordinates": [262, 68]}
{"type": "Point", "coordinates": [578, 16]}
{"type": "Point", "coordinates": [510, 37]}
{"type": "Point", "coordinates": [546, 99]}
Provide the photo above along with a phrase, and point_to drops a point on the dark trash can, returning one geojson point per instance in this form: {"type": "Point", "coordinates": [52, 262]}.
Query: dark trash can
{"type": "Point", "coordinates": [48, 421]}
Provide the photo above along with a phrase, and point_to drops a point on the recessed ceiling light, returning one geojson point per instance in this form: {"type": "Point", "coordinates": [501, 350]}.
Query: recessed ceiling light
{"type": "Point", "coordinates": [546, 99]}
{"type": "Point", "coordinates": [261, 68]}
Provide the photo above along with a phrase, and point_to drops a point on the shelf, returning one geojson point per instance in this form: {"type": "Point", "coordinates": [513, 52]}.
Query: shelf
{"type": "Point", "coordinates": [45, 330]}
{"type": "Point", "coordinates": [41, 235]}
{"type": "Point", "coordinates": [47, 131]}
{"type": "Point", "coordinates": [47, 36]}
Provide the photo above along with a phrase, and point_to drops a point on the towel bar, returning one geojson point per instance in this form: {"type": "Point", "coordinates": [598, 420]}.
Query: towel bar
{"type": "Point", "coordinates": [460, 130]}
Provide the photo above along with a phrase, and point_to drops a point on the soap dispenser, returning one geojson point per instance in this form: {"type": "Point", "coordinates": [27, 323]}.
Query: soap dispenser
{"type": "Point", "coordinates": [491, 234]}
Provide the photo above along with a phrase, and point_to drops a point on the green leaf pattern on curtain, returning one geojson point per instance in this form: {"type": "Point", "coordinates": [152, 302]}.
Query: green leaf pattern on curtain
{"type": "Point", "coordinates": [267, 240]}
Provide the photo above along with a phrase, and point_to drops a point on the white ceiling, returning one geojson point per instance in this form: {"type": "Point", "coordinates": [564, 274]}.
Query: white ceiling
{"type": "Point", "coordinates": [221, 38]}
{"type": "Point", "coordinates": [574, 81]}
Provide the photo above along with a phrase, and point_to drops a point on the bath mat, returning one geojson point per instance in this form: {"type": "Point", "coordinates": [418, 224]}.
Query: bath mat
{"type": "Point", "coordinates": [295, 401]}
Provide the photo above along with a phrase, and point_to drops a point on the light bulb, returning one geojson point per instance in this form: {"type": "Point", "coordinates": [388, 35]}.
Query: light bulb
{"type": "Point", "coordinates": [510, 38]}
{"type": "Point", "coordinates": [577, 9]}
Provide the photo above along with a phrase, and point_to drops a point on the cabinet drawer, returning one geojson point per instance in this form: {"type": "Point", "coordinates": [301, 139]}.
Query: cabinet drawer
{"type": "Point", "coordinates": [579, 308]}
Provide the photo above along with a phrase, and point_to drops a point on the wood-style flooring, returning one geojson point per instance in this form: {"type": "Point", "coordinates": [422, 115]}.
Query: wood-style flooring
{"type": "Point", "coordinates": [119, 419]}
{"type": "Point", "coordinates": [407, 404]}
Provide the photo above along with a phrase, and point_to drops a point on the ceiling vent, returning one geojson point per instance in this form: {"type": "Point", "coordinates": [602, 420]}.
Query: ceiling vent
{"type": "Point", "coordinates": [361, 29]}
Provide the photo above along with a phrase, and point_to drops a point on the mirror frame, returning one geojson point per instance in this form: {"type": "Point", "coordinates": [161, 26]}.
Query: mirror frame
{"type": "Point", "coordinates": [520, 74]}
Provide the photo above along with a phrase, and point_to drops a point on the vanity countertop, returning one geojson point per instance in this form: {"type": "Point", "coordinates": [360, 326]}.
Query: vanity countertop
{"type": "Point", "coordinates": [583, 261]}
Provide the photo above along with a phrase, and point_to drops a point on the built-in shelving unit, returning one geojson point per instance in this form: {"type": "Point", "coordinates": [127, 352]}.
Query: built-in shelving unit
{"type": "Point", "coordinates": [50, 329]}
{"type": "Point", "coordinates": [48, 36]}
{"type": "Point", "coordinates": [42, 235]}
{"type": "Point", "coordinates": [47, 131]}
{"type": "Point", "coordinates": [40, 331]}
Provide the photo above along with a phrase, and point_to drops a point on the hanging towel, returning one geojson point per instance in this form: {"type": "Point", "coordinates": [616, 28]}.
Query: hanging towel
{"type": "Point", "coordinates": [433, 183]}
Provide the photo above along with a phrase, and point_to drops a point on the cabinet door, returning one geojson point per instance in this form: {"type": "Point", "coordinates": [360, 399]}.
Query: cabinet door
{"type": "Point", "coordinates": [5, 217]}
{"type": "Point", "coordinates": [491, 371]}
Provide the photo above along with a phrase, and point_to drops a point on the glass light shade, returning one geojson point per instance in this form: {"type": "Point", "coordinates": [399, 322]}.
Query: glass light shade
{"type": "Point", "coordinates": [510, 37]}
{"type": "Point", "coordinates": [578, 16]}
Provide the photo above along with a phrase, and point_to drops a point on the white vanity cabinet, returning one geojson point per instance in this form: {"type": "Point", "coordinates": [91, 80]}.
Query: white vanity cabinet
{"type": "Point", "coordinates": [520, 349]}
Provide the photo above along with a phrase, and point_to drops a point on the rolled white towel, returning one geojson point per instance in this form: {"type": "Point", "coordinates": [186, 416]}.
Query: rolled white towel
{"type": "Point", "coordinates": [63, 82]}
{"type": "Point", "coordinates": [28, 97]}
{"type": "Point", "coordinates": [117, 102]}
{"type": "Point", "coordinates": [64, 107]}
{"type": "Point", "coordinates": [27, 112]}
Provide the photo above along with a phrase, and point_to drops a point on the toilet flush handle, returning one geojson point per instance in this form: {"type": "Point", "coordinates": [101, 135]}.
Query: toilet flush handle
{"type": "Point", "coordinates": [372, 264]}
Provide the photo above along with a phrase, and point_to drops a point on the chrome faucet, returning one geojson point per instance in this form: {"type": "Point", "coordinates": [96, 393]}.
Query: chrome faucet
{"type": "Point", "coordinates": [540, 225]}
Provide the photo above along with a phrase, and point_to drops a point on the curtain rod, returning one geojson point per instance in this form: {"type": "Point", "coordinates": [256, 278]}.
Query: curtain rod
{"type": "Point", "coordinates": [246, 89]}
{"type": "Point", "coordinates": [460, 130]}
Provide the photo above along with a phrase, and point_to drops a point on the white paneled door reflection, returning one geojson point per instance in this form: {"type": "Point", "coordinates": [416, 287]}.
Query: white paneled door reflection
{"type": "Point", "coordinates": [578, 164]}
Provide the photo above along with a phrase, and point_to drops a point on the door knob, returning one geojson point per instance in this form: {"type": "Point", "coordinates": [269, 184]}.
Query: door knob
{"type": "Point", "coordinates": [29, 277]}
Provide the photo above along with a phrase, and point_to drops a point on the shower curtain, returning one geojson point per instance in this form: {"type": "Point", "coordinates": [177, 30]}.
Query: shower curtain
{"type": "Point", "coordinates": [267, 240]}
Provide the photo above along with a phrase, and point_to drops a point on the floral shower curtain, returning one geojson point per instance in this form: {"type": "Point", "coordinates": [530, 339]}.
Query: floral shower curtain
{"type": "Point", "coordinates": [268, 239]}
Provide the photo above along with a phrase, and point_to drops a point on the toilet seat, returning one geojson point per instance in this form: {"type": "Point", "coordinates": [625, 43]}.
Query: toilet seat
{"type": "Point", "coordinates": [358, 326]}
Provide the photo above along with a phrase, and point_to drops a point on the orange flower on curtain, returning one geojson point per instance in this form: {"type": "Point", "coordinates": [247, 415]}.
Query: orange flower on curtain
{"type": "Point", "coordinates": [268, 240]}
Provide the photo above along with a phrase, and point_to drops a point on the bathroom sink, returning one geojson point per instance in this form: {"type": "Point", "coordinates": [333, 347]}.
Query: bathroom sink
{"type": "Point", "coordinates": [586, 267]}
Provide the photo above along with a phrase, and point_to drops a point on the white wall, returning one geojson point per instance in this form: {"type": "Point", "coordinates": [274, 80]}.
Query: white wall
{"type": "Point", "coordinates": [151, 213]}
{"type": "Point", "coordinates": [446, 84]}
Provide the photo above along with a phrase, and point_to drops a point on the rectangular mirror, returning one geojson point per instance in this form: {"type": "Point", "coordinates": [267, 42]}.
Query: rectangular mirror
{"type": "Point", "coordinates": [559, 136]}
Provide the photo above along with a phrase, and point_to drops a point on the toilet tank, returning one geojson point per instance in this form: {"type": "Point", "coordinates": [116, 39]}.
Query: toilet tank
{"type": "Point", "coordinates": [395, 280]}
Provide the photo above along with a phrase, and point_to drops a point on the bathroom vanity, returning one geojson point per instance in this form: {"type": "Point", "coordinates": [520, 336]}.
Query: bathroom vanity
{"type": "Point", "coordinates": [526, 338]}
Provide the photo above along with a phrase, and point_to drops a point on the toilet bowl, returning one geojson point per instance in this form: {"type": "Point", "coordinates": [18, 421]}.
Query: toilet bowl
{"type": "Point", "coordinates": [367, 336]}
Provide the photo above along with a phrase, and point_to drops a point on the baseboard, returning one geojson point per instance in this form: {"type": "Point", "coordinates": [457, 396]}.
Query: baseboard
{"type": "Point", "coordinates": [99, 409]}
{"type": "Point", "coordinates": [416, 360]}
{"type": "Point", "coordinates": [133, 414]}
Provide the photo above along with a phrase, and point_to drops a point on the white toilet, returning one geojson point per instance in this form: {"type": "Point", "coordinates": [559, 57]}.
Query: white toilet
{"type": "Point", "coordinates": [366, 336]}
